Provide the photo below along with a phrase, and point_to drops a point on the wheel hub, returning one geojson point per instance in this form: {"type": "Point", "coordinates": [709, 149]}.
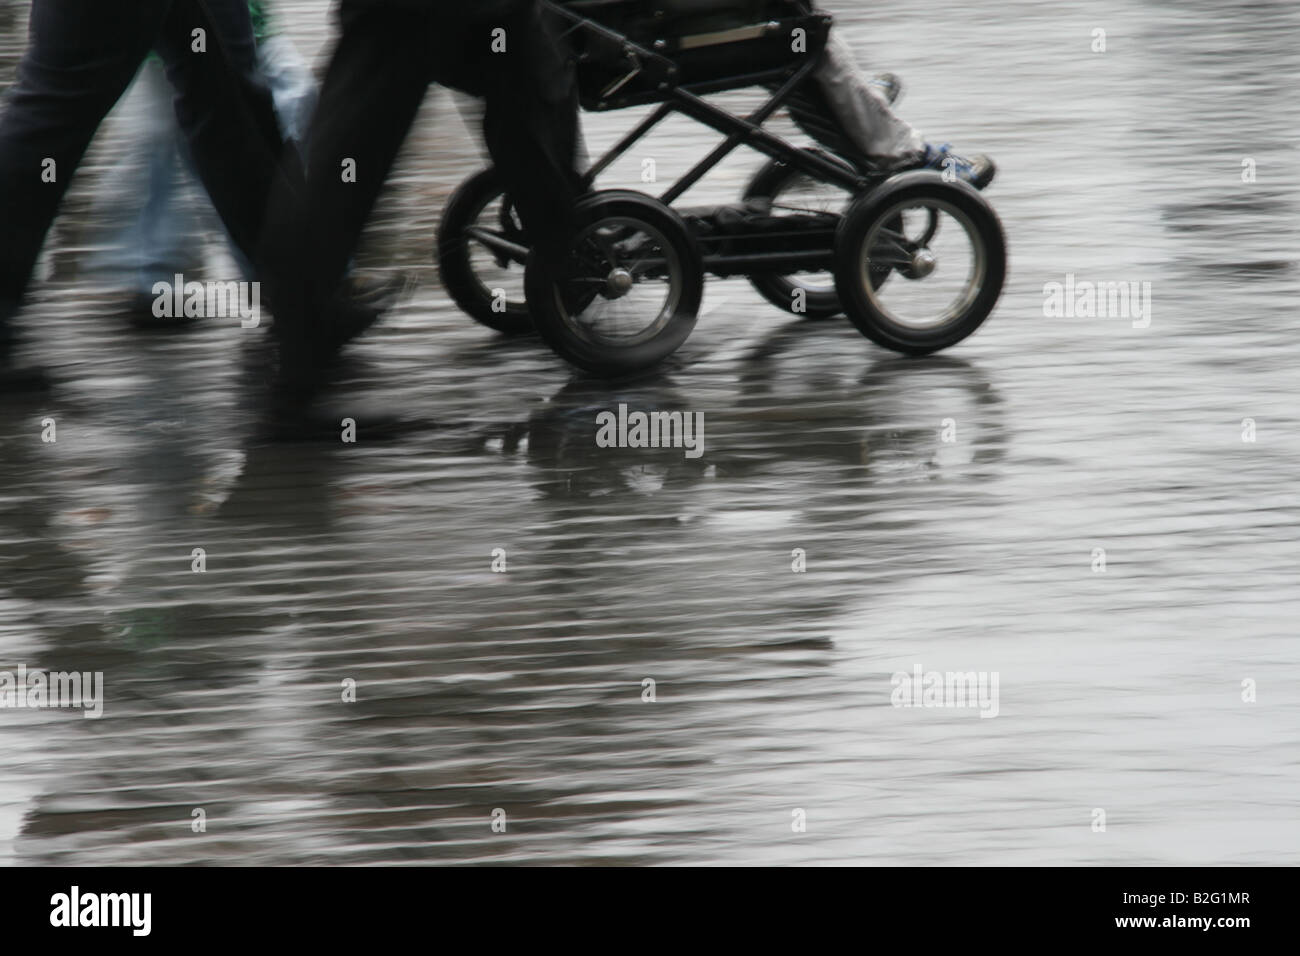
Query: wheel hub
{"type": "Point", "coordinates": [923, 263]}
{"type": "Point", "coordinates": [618, 283]}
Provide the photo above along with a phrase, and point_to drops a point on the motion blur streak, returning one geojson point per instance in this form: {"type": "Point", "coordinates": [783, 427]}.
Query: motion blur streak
{"type": "Point", "coordinates": [1119, 690]}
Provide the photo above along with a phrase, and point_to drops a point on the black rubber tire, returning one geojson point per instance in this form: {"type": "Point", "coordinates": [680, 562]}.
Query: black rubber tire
{"type": "Point", "coordinates": [453, 254]}
{"type": "Point", "coordinates": [857, 225]}
{"type": "Point", "coordinates": [779, 289]}
{"type": "Point", "coordinates": [602, 358]}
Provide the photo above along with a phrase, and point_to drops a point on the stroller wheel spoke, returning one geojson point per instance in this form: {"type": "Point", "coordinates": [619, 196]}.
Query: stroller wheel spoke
{"type": "Point", "coordinates": [646, 267]}
{"type": "Point", "coordinates": [635, 290]}
{"type": "Point", "coordinates": [480, 253]}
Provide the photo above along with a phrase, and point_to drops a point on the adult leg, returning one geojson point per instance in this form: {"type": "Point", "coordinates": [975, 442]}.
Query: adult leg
{"type": "Point", "coordinates": [135, 243]}
{"type": "Point", "coordinates": [81, 55]}
{"type": "Point", "coordinates": [377, 78]}
{"type": "Point", "coordinates": [531, 127]}
{"type": "Point", "coordinates": [239, 46]}
{"type": "Point", "coordinates": [226, 112]}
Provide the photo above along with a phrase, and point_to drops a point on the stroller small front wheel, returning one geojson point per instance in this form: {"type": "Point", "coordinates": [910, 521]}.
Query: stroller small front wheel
{"type": "Point", "coordinates": [947, 246]}
{"type": "Point", "coordinates": [631, 289]}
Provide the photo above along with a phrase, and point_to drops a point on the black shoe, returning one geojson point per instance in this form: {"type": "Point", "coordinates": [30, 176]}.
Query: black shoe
{"type": "Point", "coordinates": [349, 314]}
{"type": "Point", "coordinates": [138, 312]}
{"type": "Point", "coordinates": [360, 304]}
{"type": "Point", "coordinates": [344, 321]}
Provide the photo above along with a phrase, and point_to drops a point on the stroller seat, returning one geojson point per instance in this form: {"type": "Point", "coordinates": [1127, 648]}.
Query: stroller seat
{"type": "Point", "coordinates": [638, 48]}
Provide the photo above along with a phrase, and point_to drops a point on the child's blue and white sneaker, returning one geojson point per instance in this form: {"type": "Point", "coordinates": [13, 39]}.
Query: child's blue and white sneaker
{"type": "Point", "coordinates": [978, 171]}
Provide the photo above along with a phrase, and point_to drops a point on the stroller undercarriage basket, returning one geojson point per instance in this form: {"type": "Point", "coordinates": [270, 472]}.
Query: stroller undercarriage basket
{"type": "Point", "coordinates": [630, 52]}
{"type": "Point", "coordinates": [735, 236]}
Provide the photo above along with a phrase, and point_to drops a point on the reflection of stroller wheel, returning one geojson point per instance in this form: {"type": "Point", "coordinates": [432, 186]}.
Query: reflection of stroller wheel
{"type": "Point", "coordinates": [632, 289]}
{"type": "Point", "coordinates": [794, 193]}
{"type": "Point", "coordinates": [945, 243]}
{"type": "Point", "coordinates": [481, 251]}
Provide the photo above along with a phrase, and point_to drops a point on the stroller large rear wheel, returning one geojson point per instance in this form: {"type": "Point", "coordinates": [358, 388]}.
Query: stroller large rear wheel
{"type": "Point", "coordinates": [481, 252]}
{"type": "Point", "coordinates": [945, 247]}
{"type": "Point", "coordinates": [631, 290]}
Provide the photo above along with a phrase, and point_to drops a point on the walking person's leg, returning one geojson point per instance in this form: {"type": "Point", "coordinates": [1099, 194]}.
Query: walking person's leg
{"type": "Point", "coordinates": [226, 113]}
{"type": "Point", "coordinates": [531, 124]}
{"type": "Point", "coordinates": [377, 77]}
{"type": "Point", "coordinates": [165, 219]}
{"type": "Point", "coordinates": [138, 229]}
{"type": "Point", "coordinates": [81, 55]}
{"type": "Point", "coordinates": [386, 56]}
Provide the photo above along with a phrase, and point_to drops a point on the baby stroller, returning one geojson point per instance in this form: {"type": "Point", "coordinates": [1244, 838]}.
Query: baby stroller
{"type": "Point", "coordinates": [916, 260]}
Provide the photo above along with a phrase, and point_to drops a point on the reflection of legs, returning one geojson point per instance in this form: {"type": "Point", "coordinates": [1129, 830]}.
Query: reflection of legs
{"type": "Point", "coordinates": [377, 77]}
{"type": "Point", "coordinates": [81, 56]}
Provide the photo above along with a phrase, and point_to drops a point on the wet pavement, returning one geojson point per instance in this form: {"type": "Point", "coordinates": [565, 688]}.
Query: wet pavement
{"type": "Point", "coordinates": [1121, 689]}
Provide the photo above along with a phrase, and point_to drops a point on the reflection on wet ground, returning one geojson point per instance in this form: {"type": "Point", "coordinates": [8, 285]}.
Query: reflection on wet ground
{"type": "Point", "coordinates": [524, 690]}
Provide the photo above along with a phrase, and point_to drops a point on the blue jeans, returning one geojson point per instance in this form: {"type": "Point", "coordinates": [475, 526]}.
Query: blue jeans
{"type": "Point", "coordinates": [154, 242]}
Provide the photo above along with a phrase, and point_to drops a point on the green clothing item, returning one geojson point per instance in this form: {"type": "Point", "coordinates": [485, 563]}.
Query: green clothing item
{"type": "Point", "coordinates": [261, 19]}
{"type": "Point", "coordinates": [261, 23]}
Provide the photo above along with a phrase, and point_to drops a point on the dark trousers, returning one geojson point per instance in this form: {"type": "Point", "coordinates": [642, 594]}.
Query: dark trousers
{"type": "Point", "coordinates": [81, 56]}
{"type": "Point", "coordinates": [389, 52]}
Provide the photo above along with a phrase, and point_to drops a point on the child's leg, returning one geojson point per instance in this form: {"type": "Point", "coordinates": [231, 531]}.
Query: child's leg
{"type": "Point", "coordinates": [870, 125]}
{"type": "Point", "coordinates": [864, 114]}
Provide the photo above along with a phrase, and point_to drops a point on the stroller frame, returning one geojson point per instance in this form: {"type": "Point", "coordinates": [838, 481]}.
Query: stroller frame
{"type": "Point", "coordinates": [687, 100]}
{"type": "Point", "coordinates": [666, 55]}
